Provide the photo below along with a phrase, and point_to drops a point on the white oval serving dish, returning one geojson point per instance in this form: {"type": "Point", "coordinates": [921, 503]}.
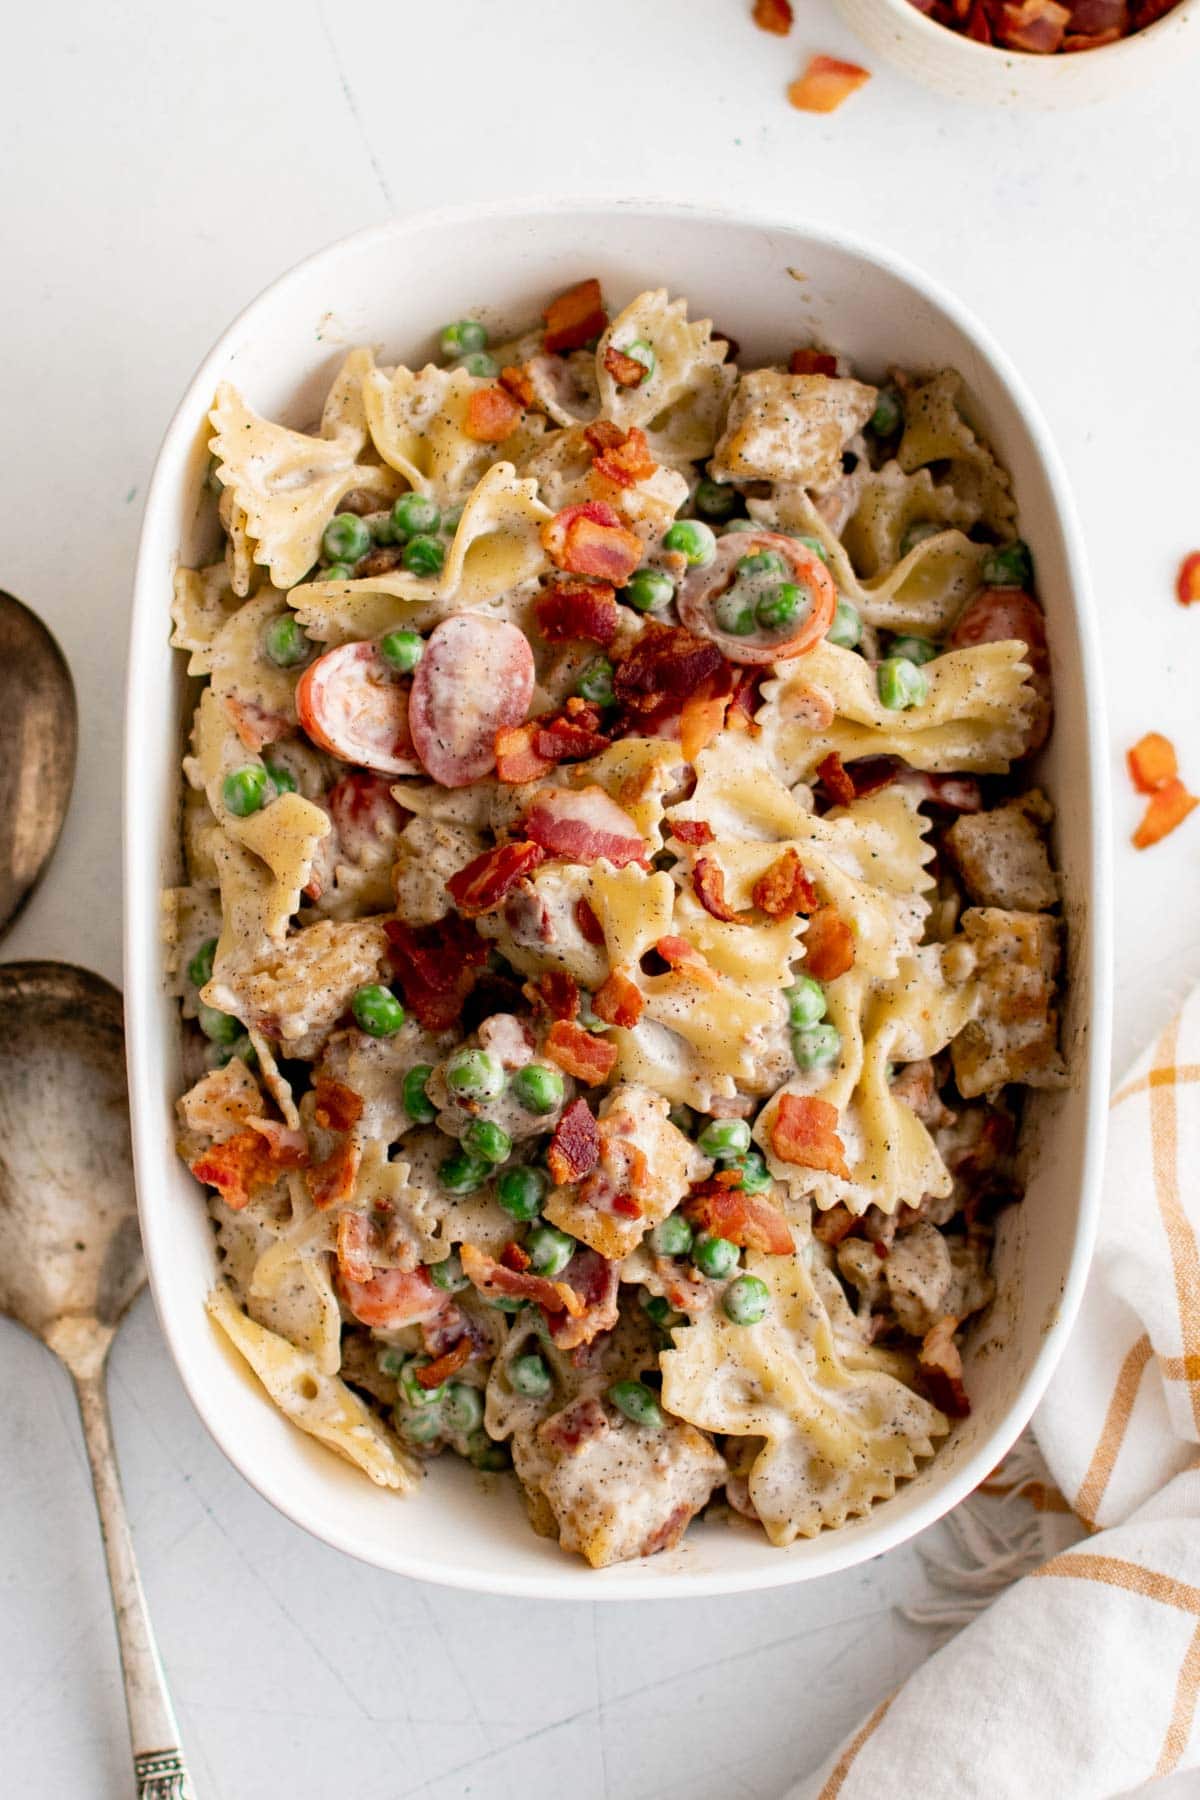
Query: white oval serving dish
{"type": "Point", "coordinates": [770, 285]}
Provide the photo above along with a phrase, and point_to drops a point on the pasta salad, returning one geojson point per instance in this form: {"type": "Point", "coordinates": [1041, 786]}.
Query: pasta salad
{"type": "Point", "coordinates": [618, 925]}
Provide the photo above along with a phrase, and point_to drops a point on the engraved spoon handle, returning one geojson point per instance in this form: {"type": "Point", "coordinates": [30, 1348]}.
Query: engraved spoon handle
{"type": "Point", "coordinates": [157, 1756]}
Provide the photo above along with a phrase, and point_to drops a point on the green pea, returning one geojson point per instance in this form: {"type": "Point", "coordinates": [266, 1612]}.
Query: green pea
{"type": "Point", "coordinates": [417, 1104]}
{"type": "Point", "coordinates": [462, 1408]}
{"type": "Point", "coordinates": [649, 590]}
{"type": "Point", "coordinates": [448, 1275]}
{"type": "Point", "coordinates": [1009, 566]}
{"type": "Point", "coordinates": [415, 513]}
{"type": "Point", "coordinates": [901, 684]}
{"type": "Point", "coordinates": [345, 539]}
{"type": "Point", "coordinates": [414, 1394]}
{"type": "Point", "coordinates": [695, 539]}
{"type": "Point", "coordinates": [635, 1400]}
{"type": "Point", "coordinates": [734, 612]}
{"type": "Point", "coordinates": [776, 610]}
{"type": "Point", "coordinates": [549, 1250]}
{"type": "Point", "coordinates": [806, 1002]}
{"type": "Point", "coordinates": [915, 649]}
{"type": "Point", "coordinates": [756, 1177]}
{"type": "Point", "coordinates": [888, 416]}
{"type": "Point", "coordinates": [479, 363]}
{"type": "Point", "coordinates": [419, 1427]}
{"type": "Point", "coordinates": [816, 1045]}
{"type": "Point", "coordinates": [917, 532]}
{"type": "Point", "coordinates": [714, 1256]}
{"type": "Point", "coordinates": [725, 1137]}
{"type": "Point", "coordinates": [530, 1376]}
{"type": "Point", "coordinates": [746, 1300]}
{"type": "Point", "coordinates": [520, 1192]}
{"type": "Point", "coordinates": [847, 628]}
{"type": "Point", "coordinates": [284, 642]}
{"type": "Point", "coordinates": [390, 1361]}
{"type": "Point", "coordinates": [245, 790]}
{"type": "Point", "coordinates": [596, 682]}
{"type": "Point", "coordinates": [219, 1027]}
{"type": "Point", "coordinates": [643, 353]}
{"type": "Point", "coordinates": [377, 1011]}
{"type": "Point", "coordinates": [463, 338]}
{"type": "Point", "coordinates": [742, 525]}
{"type": "Point", "coordinates": [462, 1174]}
{"type": "Point", "coordinates": [282, 780]}
{"type": "Point", "coordinates": [660, 1312]}
{"type": "Point", "coordinates": [761, 562]}
{"type": "Point", "coordinates": [338, 572]}
{"type": "Point", "coordinates": [424, 555]}
{"type": "Point", "coordinates": [508, 1303]}
{"type": "Point", "coordinates": [538, 1089]}
{"type": "Point", "coordinates": [474, 1075]}
{"type": "Point", "coordinates": [402, 650]}
{"type": "Point", "coordinates": [673, 1236]}
{"type": "Point", "coordinates": [716, 500]}
{"type": "Point", "coordinates": [199, 970]}
{"type": "Point", "coordinates": [486, 1455]}
{"type": "Point", "coordinates": [486, 1141]}
{"type": "Point", "coordinates": [383, 532]}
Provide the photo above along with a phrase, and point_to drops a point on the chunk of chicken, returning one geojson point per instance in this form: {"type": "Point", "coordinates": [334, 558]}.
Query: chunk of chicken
{"type": "Point", "coordinates": [646, 1164]}
{"type": "Point", "coordinates": [1015, 1037]}
{"type": "Point", "coordinates": [1001, 855]}
{"type": "Point", "coordinates": [790, 427]}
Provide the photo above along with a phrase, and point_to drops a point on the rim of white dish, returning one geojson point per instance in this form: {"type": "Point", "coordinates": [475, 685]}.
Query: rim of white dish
{"type": "Point", "coordinates": [143, 951]}
{"type": "Point", "coordinates": [985, 56]}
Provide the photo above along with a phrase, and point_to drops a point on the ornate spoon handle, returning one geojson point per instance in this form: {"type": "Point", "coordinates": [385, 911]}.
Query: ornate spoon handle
{"type": "Point", "coordinates": [157, 1756]}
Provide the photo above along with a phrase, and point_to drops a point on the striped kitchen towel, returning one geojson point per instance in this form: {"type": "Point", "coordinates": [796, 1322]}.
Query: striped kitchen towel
{"type": "Point", "coordinates": [1081, 1680]}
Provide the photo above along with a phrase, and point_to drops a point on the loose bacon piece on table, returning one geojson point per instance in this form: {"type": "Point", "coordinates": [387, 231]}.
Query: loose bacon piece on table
{"type": "Point", "coordinates": [618, 1001]}
{"type": "Point", "coordinates": [574, 318]}
{"type": "Point", "coordinates": [594, 1280]}
{"type": "Point", "coordinates": [492, 415]}
{"type": "Point", "coordinates": [825, 83]}
{"type": "Point", "coordinates": [448, 1363]}
{"type": "Point", "coordinates": [745, 1219]}
{"type": "Point", "coordinates": [940, 1364]}
{"type": "Point", "coordinates": [666, 663]}
{"type": "Point", "coordinates": [575, 1050]}
{"type": "Point", "coordinates": [622, 457]}
{"type": "Point", "coordinates": [804, 1132]}
{"type": "Point", "coordinates": [1152, 762]}
{"type": "Point", "coordinates": [784, 889]}
{"type": "Point", "coordinates": [582, 825]}
{"type": "Point", "coordinates": [685, 959]}
{"type": "Point", "coordinates": [436, 967]}
{"type": "Point", "coordinates": [393, 1298]}
{"type": "Point", "coordinates": [589, 539]}
{"type": "Point", "coordinates": [484, 883]}
{"type": "Point", "coordinates": [626, 371]}
{"type": "Point", "coordinates": [575, 1147]}
{"type": "Point", "coordinates": [336, 1107]}
{"type": "Point", "coordinates": [1169, 806]}
{"type": "Point", "coordinates": [559, 993]}
{"type": "Point", "coordinates": [243, 1165]}
{"type": "Point", "coordinates": [774, 16]}
{"type": "Point", "coordinates": [812, 362]}
{"type": "Point", "coordinates": [836, 780]}
{"type": "Point", "coordinates": [708, 879]}
{"type": "Point", "coordinates": [590, 928]}
{"type": "Point", "coordinates": [1187, 582]}
{"type": "Point", "coordinates": [828, 945]}
{"type": "Point", "coordinates": [492, 1279]}
{"type": "Point", "coordinates": [691, 831]}
{"type": "Point", "coordinates": [331, 1182]}
{"type": "Point", "coordinates": [578, 611]}
{"type": "Point", "coordinates": [1037, 26]}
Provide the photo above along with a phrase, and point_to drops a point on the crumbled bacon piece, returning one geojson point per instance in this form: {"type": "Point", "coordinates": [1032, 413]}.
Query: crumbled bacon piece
{"type": "Point", "coordinates": [513, 1256]}
{"type": "Point", "coordinates": [828, 945]}
{"type": "Point", "coordinates": [331, 1182]}
{"type": "Point", "coordinates": [589, 539]}
{"type": "Point", "coordinates": [708, 879]}
{"type": "Point", "coordinates": [436, 967]}
{"type": "Point", "coordinates": [811, 362]}
{"type": "Point", "coordinates": [703, 713]}
{"type": "Point", "coordinates": [939, 1361]}
{"type": "Point", "coordinates": [254, 724]}
{"type": "Point", "coordinates": [691, 831]}
{"type": "Point", "coordinates": [517, 762]}
{"type": "Point", "coordinates": [626, 1205]}
{"type": "Point", "coordinates": [804, 1132]}
{"type": "Point", "coordinates": [575, 1426]}
{"type": "Point", "coordinates": [784, 889]}
{"type": "Point", "coordinates": [492, 415]}
{"type": "Point", "coordinates": [335, 1107]}
{"type": "Point", "coordinates": [625, 461]}
{"type": "Point", "coordinates": [575, 1147]}
{"type": "Point", "coordinates": [835, 1224]}
{"type": "Point", "coordinates": [594, 1280]}
{"type": "Point", "coordinates": [354, 1245]}
{"type": "Point", "coordinates": [666, 663]}
{"type": "Point", "coordinates": [1187, 582]}
{"type": "Point", "coordinates": [394, 1298]}
{"type": "Point", "coordinates": [685, 959]}
{"type": "Point", "coordinates": [1037, 26]}
{"type": "Point", "coordinates": [774, 16]}
{"type": "Point", "coordinates": [590, 928]}
{"type": "Point", "coordinates": [744, 701]}
{"type": "Point", "coordinates": [492, 1280]}
{"type": "Point", "coordinates": [618, 1001]}
{"type": "Point", "coordinates": [1169, 806]}
{"type": "Point", "coordinates": [559, 993]}
{"type": "Point", "coordinates": [588, 1058]}
{"type": "Point", "coordinates": [570, 735]}
{"type": "Point", "coordinates": [515, 380]}
{"type": "Point", "coordinates": [825, 83]}
{"type": "Point", "coordinates": [745, 1219]}
{"type": "Point", "coordinates": [583, 825]}
{"type": "Point", "coordinates": [1152, 762]}
{"type": "Point", "coordinates": [834, 778]}
{"type": "Point", "coordinates": [574, 318]}
{"type": "Point", "coordinates": [243, 1165]}
{"type": "Point", "coordinates": [484, 883]}
{"type": "Point", "coordinates": [443, 1367]}
{"type": "Point", "coordinates": [578, 611]}
{"type": "Point", "coordinates": [626, 371]}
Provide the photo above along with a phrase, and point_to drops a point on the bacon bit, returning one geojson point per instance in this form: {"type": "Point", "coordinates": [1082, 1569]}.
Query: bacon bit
{"type": "Point", "coordinates": [784, 889]}
{"type": "Point", "coordinates": [575, 1147]}
{"type": "Point", "coordinates": [255, 726]}
{"type": "Point", "coordinates": [811, 362]}
{"type": "Point", "coordinates": [484, 883]}
{"type": "Point", "coordinates": [442, 1367]}
{"type": "Point", "coordinates": [979, 27]}
{"type": "Point", "coordinates": [745, 1219]}
{"type": "Point", "coordinates": [626, 1206]}
{"type": "Point", "coordinates": [569, 739]}
{"type": "Point", "coordinates": [576, 1425]}
{"type": "Point", "coordinates": [708, 879]}
{"type": "Point", "coordinates": [393, 1298]}
{"type": "Point", "coordinates": [436, 967]}
{"type": "Point", "coordinates": [703, 713]}
{"type": "Point", "coordinates": [514, 1257]}
{"type": "Point", "coordinates": [774, 16]}
{"type": "Point", "coordinates": [584, 825]}
{"type": "Point", "coordinates": [745, 701]}
{"type": "Point", "coordinates": [588, 1058]}
{"type": "Point", "coordinates": [1169, 806]}
{"type": "Point", "coordinates": [1187, 582]}
{"type": "Point", "coordinates": [574, 318]}
{"type": "Point", "coordinates": [354, 1246]}
{"type": "Point", "coordinates": [331, 1183]}
{"type": "Point", "coordinates": [828, 945]}
{"type": "Point", "coordinates": [832, 1226]}
{"type": "Point", "coordinates": [1037, 26]}
{"type": "Point", "coordinates": [685, 959]}
{"type": "Point", "coordinates": [516, 380]}
{"type": "Point", "coordinates": [243, 1165]}
{"type": "Point", "coordinates": [804, 1131]}
{"type": "Point", "coordinates": [578, 611]}
{"type": "Point", "coordinates": [590, 928]}
{"type": "Point", "coordinates": [666, 662]}
{"type": "Point", "coordinates": [559, 993]}
{"type": "Point", "coordinates": [940, 1364]}
{"type": "Point", "coordinates": [832, 774]}
{"type": "Point", "coordinates": [691, 831]}
{"type": "Point", "coordinates": [825, 83]}
{"type": "Point", "coordinates": [626, 371]}
{"type": "Point", "coordinates": [618, 1001]}
{"type": "Point", "coordinates": [1152, 763]}
{"type": "Point", "coordinates": [492, 1278]}
{"type": "Point", "coordinates": [517, 762]}
{"type": "Point", "coordinates": [492, 415]}
{"type": "Point", "coordinates": [365, 813]}
{"type": "Point", "coordinates": [589, 539]}
{"type": "Point", "coordinates": [336, 1107]}
{"type": "Point", "coordinates": [594, 1280]}
{"type": "Point", "coordinates": [625, 461]}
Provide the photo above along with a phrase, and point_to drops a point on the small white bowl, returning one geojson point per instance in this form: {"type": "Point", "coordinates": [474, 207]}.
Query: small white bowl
{"type": "Point", "coordinates": [770, 284]}
{"type": "Point", "coordinates": [964, 70]}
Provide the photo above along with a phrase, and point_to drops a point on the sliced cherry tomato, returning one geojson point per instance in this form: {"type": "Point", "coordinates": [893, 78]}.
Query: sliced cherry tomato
{"type": "Point", "coordinates": [998, 615]}
{"type": "Point", "coordinates": [702, 587]}
{"type": "Point", "coordinates": [475, 678]}
{"type": "Point", "coordinates": [351, 704]}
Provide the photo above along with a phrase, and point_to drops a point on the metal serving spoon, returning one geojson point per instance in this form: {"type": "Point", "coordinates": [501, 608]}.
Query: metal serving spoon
{"type": "Point", "coordinates": [38, 733]}
{"type": "Point", "coordinates": [71, 1262]}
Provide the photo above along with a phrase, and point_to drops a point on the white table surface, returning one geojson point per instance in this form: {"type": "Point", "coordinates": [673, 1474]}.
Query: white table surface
{"type": "Point", "coordinates": [160, 164]}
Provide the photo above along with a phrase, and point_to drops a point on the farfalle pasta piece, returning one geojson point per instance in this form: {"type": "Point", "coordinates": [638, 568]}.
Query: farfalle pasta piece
{"type": "Point", "coordinates": [889, 503]}
{"type": "Point", "coordinates": [282, 1276]}
{"type": "Point", "coordinates": [935, 431]}
{"type": "Point", "coordinates": [239, 551]}
{"type": "Point", "coordinates": [835, 1438]}
{"type": "Point", "coordinates": [790, 427]}
{"type": "Point", "coordinates": [258, 697]}
{"type": "Point", "coordinates": [418, 423]}
{"type": "Point", "coordinates": [681, 402]}
{"type": "Point", "coordinates": [294, 990]}
{"type": "Point", "coordinates": [562, 465]}
{"type": "Point", "coordinates": [203, 603]}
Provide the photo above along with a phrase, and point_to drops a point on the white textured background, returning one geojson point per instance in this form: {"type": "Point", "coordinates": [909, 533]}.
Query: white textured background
{"type": "Point", "coordinates": [158, 165]}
